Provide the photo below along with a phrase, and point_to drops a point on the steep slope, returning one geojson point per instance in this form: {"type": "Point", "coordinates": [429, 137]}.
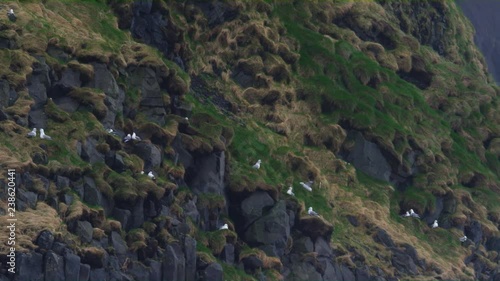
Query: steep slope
{"type": "Point", "coordinates": [385, 106]}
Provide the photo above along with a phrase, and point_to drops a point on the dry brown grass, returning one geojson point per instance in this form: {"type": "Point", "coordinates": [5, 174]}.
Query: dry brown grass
{"type": "Point", "coordinates": [29, 224]}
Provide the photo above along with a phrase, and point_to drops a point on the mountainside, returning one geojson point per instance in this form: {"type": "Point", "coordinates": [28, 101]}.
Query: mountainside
{"type": "Point", "coordinates": [378, 106]}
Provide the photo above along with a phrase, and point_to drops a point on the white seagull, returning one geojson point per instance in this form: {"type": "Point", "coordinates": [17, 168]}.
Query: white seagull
{"type": "Point", "coordinates": [224, 227]}
{"type": "Point", "coordinates": [312, 213]}
{"type": "Point", "coordinates": [10, 12]}
{"type": "Point", "coordinates": [306, 186]}
{"type": "Point", "coordinates": [44, 136]}
{"type": "Point", "coordinates": [463, 239]}
{"type": "Point", "coordinates": [32, 133]}
{"type": "Point", "coordinates": [135, 137]}
{"type": "Point", "coordinates": [142, 172]}
{"type": "Point", "coordinates": [257, 165]}
{"type": "Point", "coordinates": [110, 131]}
{"type": "Point", "coordinates": [413, 214]}
{"type": "Point", "coordinates": [127, 138]}
{"type": "Point", "coordinates": [151, 175]}
{"type": "Point", "coordinates": [435, 224]}
{"type": "Point", "coordinates": [407, 214]}
{"type": "Point", "coordinates": [290, 191]}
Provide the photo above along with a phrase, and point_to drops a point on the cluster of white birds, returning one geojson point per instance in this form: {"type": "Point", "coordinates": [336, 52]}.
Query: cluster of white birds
{"type": "Point", "coordinates": [150, 175]}
{"type": "Point", "coordinates": [32, 134]}
{"type": "Point", "coordinates": [129, 137]}
{"type": "Point", "coordinates": [412, 214]}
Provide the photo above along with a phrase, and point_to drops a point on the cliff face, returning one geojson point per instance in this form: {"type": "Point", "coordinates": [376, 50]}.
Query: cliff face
{"type": "Point", "coordinates": [483, 16]}
{"type": "Point", "coordinates": [381, 107]}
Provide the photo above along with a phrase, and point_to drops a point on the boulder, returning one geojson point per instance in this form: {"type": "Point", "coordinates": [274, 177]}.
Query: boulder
{"type": "Point", "coordinates": [252, 263]}
{"type": "Point", "coordinates": [303, 245]}
{"type": "Point", "coordinates": [253, 206]}
{"type": "Point", "coordinates": [304, 271]}
{"type": "Point", "coordinates": [28, 197]}
{"type": "Point", "coordinates": [403, 263]}
{"type": "Point", "coordinates": [137, 214]}
{"type": "Point", "coordinates": [123, 216]}
{"type": "Point", "coordinates": [150, 154]}
{"type": "Point", "coordinates": [84, 230]}
{"type": "Point", "coordinates": [139, 271]}
{"type": "Point", "coordinates": [182, 155]}
{"type": "Point", "coordinates": [155, 270]}
{"type": "Point", "coordinates": [206, 174]}
{"type": "Point", "coordinates": [98, 274]}
{"type": "Point", "coordinates": [70, 79]}
{"type": "Point", "coordinates": [173, 265]}
{"type": "Point", "coordinates": [383, 238]}
{"type": "Point", "coordinates": [367, 157]}
{"type": "Point", "coordinates": [71, 267]}
{"type": "Point", "coordinates": [118, 244]}
{"type": "Point", "coordinates": [273, 230]}
{"type": "Point", "coordinates": [92, 195]}
{"type": "Point", "coordinates": [45, 240]}
{"type": "Point", "coordinates": [59, 248]}
{"type": "Point", "coordinates": [323, 248]}
{"type": "Point", "coordinates": [227, 254]}
{"type": "Point", "coordinates": [89, 151]}
{"type": "Point", "coordinates": [115, 161]}
{"type": "Point", "coordinates": [54, 267]}
{"type": "Point", "coordinates": [190, 254]}
{"type": "Point", "coordinates": [84, 272]}
{"type": "Point", "coordinates": [6, 99]}
{"type": "Point", "coordinates": [213, 272]}
{"type": "Point", "coordinates": [29, 266]}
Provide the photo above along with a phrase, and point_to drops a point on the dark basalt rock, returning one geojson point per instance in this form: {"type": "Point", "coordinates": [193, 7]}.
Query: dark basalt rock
{"type": "Point", "coordinates": [315, 227]}
{"type": "Point", "coordinates": [384, 238]}
{"type": "Point", "coordinates": [45, 240]}
{"type": "Point", "coordinates": [54, 267]}
{"type": "Point", "coordinates": [271, 231]}
{"type": "Point", "coordinates": [206, 174]}
{"type": "Point", "coordinates": [71, 267]}
{"type": "Point", "coordinates": [213, 272]}
{"type": "Point", "coordinates": [474, 231]}
{"type": "Point", "coordinates": [29, 266]}
{"type": "Point", "coordinates": [254, 206]}
{"type": "Point", "coordinates": [150, 154]}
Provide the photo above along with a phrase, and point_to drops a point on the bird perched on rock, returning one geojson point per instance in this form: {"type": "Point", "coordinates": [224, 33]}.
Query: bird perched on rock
{"type": "Point", "coordinates": [151, 175]}
{"type": "Point", "coordinates": [257, 165]}
{"type": "Point", "coordinates": [413, 214]}
{"type": "Point", "coordinates": [463, 239]}
{"type": "Point", "coordinates": [306, 186]}
{"type": "Point", "coordinates": [136, 137]}
{"type": "Point", "coordinates": [10, 12]}
{"type": "Point", "coordinates": [142, 172]}
{"type": "Point", "coordinates": [32, 133]}
{"type": "Point", "coordinates": [44, 136]}
{"type": "Point", "coordinates": [127, 138]}
{"type": "Point", "coordinates": [290, 191]}
{"type": "Point", "coordinates": [435, 224]}
{"type": "Point", "coordinates": [312, 213]}
{"type": "Point", "coordinates": [407, 214]}
{"type": "Point", "coordinates": [224, 227]}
